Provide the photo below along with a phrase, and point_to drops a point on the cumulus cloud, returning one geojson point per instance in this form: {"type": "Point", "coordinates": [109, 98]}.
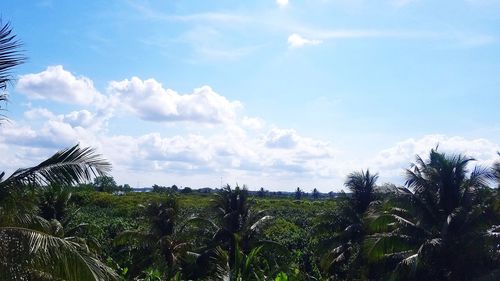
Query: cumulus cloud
{"type": "Point", "coordinates": [53, 134]}
{"type": "Point", "coordinates": [57, 84]}
{"type": "Point", "coordinates": [393, 160]}
{"type": "Point", "coordinates": [297, 41]}
{"type": "Point", "coordinates": [82, 118]}
{"type": "Point", "coordinates": [279, 138]}
{"type": "Point", "coordinates": [149, 100]}
{"type": "Point", "coordinates": [253, 123]}
{"type": "Point", "coordinates": [37, 113]}
{"type": "Point", "coordinates": [242, 148]}
{"type": "Point", "coordinates": [232, 151]}
{"type": "Point", "coordinates": [79, 118]}
{"type": "Point", "coordinates": [282, 3]}
{"type": "Point", "coordinates": [279, 156]}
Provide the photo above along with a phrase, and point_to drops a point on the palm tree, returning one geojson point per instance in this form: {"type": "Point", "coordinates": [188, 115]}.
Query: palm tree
{"type": "Point", "coordinates": [440, 227]}
{"type": "Point", "coordinates": [160, 245]}
{"type": "Point", "coordinates": [10, 56]}
{"type": "Point", "coordinates": [246, 266]}
{"type": "Point", "coordinates": [30, 248]}
{"type": "Point", "coordinates": [298, 193]}
{"type": "Point", "coordinates": [53, 202]}
{"type": "Point", "coordinates": [261, 193]}
{"type": "Point", "coordinates": [343, 231]}
{"type": "Point", "coordinates": [362, 186]}
{"type": "Point", "coordinates": [236, 230]}
{"type": "Point", "coordinates": [315, 194]}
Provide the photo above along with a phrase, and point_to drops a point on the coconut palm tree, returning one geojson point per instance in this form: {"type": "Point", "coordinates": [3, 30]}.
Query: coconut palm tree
{"type": "Point", "coordinates": [31, 248]}
{"type": "Point", "coordinates": [440, 226]}
{"type": "Point", "coordinates": [236, 229]}
{"type": "Point", "coordinates": [246, 266]}
{"type": "Point", "coordinates": [298, 193]}
{"type": "Point", "coordinates": [342, 231]}
{"type": "Point", "coordinates": [160, 246]}
{"type": "Point", "coordinates": [53, 202]}
{"type": "Point", "coordinates": [362, 186]}
{"type": "Point", "coordinates": [315, 194]}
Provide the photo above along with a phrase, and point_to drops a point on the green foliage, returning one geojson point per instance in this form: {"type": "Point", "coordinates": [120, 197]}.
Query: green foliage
{"type": "Point", "coordinates": [53, 202]}
{"type": "Point", "coordinates": [105, 184]}
{"type": "Point", "coordinates": [441, 229]}
{"type": "Point", "coordinates": [443, 226]}
{"type": "Point", "coordinates": [33, 248]}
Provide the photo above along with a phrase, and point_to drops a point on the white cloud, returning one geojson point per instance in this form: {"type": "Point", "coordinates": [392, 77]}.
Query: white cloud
{"type": "Point", "coordinates": [282, 3]}
{"type": "Point", "coordinates": [37, 113]}
{"type": "Point", "coordinates": [230, 152]}
{"type": "Point", "coordinates": [59, 85]}
{"type": "Point", "coordinates": [242, 149]}
{"type": "Point", "coordinates": [297, 41]}
{"type": "Point", "coordinates": [253, 123]}
{"type": "Point", "coordinates": [279, 157]}
{"type": "Point", "coordinates": [150, 101]}
{"type": "Point", "coordinates": [393, 160]}
{"type": "Point", "coordinates": [53, 134]}
{"type": "Point", "coordinates": [81, 118]}
{"type": "Point", "coordinates": [279, 138]}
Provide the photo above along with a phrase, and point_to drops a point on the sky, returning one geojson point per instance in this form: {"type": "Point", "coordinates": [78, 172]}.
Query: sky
{"type": "Point", "coordinates": [274, 94]}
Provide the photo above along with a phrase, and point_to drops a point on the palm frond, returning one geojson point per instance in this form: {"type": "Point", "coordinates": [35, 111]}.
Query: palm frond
{"type": "Point", "coordinates": [10, 55]}
{"type": "Point", "coordinates": [66, 167]}
{"type": "Point", "coordinates": [46, 253]}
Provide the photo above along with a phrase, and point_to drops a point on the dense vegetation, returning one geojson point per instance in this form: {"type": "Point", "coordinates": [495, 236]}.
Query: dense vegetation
{"type": "Point", "coordinates": [444, 224]}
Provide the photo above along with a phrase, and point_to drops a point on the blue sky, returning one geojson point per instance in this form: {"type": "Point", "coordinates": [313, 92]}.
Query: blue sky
{"type": "Point", "coordinates": [277, 94]}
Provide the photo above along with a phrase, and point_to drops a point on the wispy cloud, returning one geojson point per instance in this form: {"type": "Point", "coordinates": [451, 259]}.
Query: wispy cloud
{"type": "Point", "coordinates": [153, 14]}
{"type": "Point", "coordinates": [365, 33]}
{"type": "Point", "coordinates": [460, 39]}
{"type": "Point", "coordinates": [297, 41]}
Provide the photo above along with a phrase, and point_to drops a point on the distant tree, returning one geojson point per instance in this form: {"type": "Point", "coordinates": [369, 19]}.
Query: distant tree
{"type": "Point", "coordinates": [315, 194]}
{"type": "Point", "coordinates": [174, 188]}
{"type": "Point", "coordinates": [261, 193]}
{"type": "Point", "coordinates": [186, 190]}
{"type": "Point", "coordinates": [159, 188]}
{"type": "Point", "coordinates": [105, 184]}
{"type": "Point", "coordinates": [331, 194]}
{"type": "Point", "coordinates": [298, 193]}
{"type": "Point", "coordinates": [125, 188]}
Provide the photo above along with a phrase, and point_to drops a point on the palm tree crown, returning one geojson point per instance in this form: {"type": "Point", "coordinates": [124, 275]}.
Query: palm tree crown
{"type": "Point", "coordinates": [362, 185]}
{"type": "Point", "coordinates": [438, 227]}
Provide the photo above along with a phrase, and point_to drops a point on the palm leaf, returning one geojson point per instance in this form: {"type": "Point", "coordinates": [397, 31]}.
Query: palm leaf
{"type": "Point", "coordinates": [66, 167]}
{"type": "Point", "coordinates": [46, 253]}
{"type": "Point", "coordinates": [10, 55]}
